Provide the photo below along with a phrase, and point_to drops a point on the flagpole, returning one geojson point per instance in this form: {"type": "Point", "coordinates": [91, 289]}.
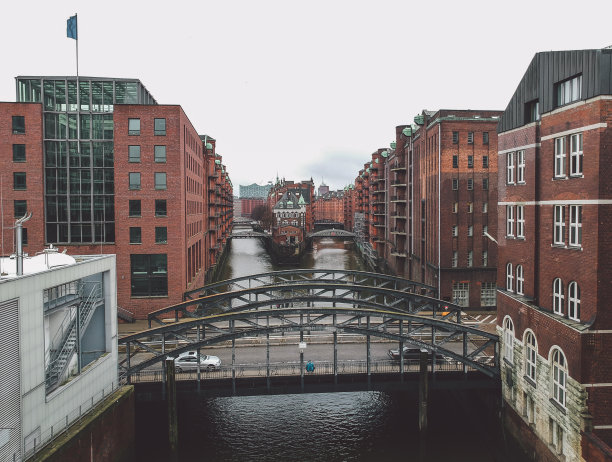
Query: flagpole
{"type": "Point", "coordinates": [78, 88]}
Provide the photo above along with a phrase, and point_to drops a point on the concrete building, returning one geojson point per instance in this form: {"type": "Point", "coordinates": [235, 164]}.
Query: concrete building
{"type": "Point", "coordinates": [58, 347]}
{"type": "Point", "coordinates": [555, 247]}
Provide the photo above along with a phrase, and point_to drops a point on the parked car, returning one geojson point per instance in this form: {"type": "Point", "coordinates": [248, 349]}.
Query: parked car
{"type": "Point", "coordinates": [412, 353]}
{"type": "Point", "coordinates": [188, 361]}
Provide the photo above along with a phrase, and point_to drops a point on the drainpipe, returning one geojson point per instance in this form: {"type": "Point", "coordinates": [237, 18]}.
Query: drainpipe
{"type": "Point", "coordinates": [19, 237]}
{"type": "Point", "coordinates": [439, 211]}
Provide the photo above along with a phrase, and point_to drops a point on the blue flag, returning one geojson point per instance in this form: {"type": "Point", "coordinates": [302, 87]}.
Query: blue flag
{"type": "Point", "coordinates": [71, 29]}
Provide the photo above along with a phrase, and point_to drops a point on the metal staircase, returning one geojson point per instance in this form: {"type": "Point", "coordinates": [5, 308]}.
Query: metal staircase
{"type": "Point", "coordinates": [61, 355]}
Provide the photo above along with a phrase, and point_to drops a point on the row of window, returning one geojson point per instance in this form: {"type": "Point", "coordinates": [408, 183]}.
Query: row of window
{"type": "Point", "coordinates": [517, 218]}
{"type": "Point", "coordinates": [135, 208]}
{"type": "Point", "coordinates": [470, 137]}
{"type": "Point", "coordinates": [159, 127]}
{"type": "Point", "coordinates": [159, 154]}
{"type": "Point", "coordinates": [470, 230]}
{"type": "Point", "coordinates": [573, 143]}
{"type": "Point", "coordinates": [470, 207]}
{"type": "Point", "coordinates": [515, 159]}
{"type": "Point", "coordinates": [160, 180]}
{"type": "Point", "coordinates": [573, 299]}
{"type": "Point", "coordinates": [470, 161]}
{"type": "Point", "coordinates": [461, 294]}
{"type": "Point", "coordinates": [161, 235]}
{"type": "Point", "coordinates": [520, 279]}
{"type": "Point", "coordinates": [575, 225]}
{"type": "Point", "coordinates": [559, 372]}
{"type": "Point", "coordinates": [470, 258]}
{"type": "Point", "coordinates": [470, 184]}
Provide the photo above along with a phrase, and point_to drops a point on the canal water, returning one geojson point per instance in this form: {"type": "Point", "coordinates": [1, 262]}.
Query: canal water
{"type": "Point", "coordinates": [358, 426]}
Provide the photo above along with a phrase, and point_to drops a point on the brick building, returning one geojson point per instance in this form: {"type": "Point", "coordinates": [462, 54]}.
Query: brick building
{"type": "Point", "coordinates": [247, 205]}
{"type": "Point", "coordinates": [104, 169]}
{"type": "Point", "coordinates": [555, 248]}
{"type": "Point", "coordinates": [303, 189]}
{"type": "Point", "coordinates": [329, 207]}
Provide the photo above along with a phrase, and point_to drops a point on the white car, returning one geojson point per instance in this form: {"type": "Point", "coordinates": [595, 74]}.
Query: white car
{"type": "Point", "coordinates": [188, 361]}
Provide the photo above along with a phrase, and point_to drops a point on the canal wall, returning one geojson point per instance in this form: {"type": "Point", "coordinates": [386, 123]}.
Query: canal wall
{"type": "Point", "coordinates": [107, 433]}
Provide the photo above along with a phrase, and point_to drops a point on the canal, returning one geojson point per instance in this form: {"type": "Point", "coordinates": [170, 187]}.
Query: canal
{"type": "Point", "coordinates": [359, 426]}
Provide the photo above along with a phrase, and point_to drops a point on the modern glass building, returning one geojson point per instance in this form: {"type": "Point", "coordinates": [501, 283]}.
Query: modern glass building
{"type": "Point", "coordinates": [78, 152]}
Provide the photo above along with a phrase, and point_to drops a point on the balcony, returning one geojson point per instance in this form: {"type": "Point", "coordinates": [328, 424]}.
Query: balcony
{"type": "Point", "coordinates": [398, 254]}
{"type": "Point", "coordinates": [398, 183]}
{"type": "Point", "coordinates": [399, 231]}
{"type": "Point", "coordinates": [397, 199]}
{"type": "Point", "coordinates": [398, 167]}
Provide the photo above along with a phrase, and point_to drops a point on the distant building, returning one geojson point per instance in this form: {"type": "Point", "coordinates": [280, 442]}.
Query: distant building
{"type": "Point", "coordinates": [323, 190]}
{"type": "Point", "coordinates": [255, 191]}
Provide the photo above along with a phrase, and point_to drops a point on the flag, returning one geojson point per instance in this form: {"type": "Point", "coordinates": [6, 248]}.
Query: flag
{"type": "Point", "coordinates": [71, 29]}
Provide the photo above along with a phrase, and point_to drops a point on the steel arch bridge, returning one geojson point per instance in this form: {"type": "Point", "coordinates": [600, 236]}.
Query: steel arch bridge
{"type": "Point", "coordinates": [337, 233]}
{"type": "Point", "coordinates": [331, 301]}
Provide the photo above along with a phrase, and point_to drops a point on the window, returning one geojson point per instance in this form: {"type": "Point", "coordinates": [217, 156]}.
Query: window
{"type": "Point", "coordinates": [485, 229]}
{"type": "Point", "coordinates": [455, 231]}
{"type": "Point", "coordinates": [470, 230]}
{"type": "Point", "coordinates": [160, 208]}
{"type": "Point", "coordinates": [18, 125]}
{"type": "Point", "coordinates": [509, 221]}
{"type": "Point", "coordinates": [573, 301]}
{"type": "Point", "coordinates": [161, 235]}
{"type": "Point", "coordinates": [510, 168]}
{"type": "Point", "coordinates": [576, 155]}
{"type": "Point", "coordinates": [488, 294]}
{"type": "Point", "coordinates": [485, 183]}
{"type": "Point", "coordinates": [19, 153]}
{"type": "Point", "coordinates": [160, 127]}
{"type": "Point", "coordinates": [485, 207]}
{"type": "Point", "coordinates": [160, 154]}
{"type": "Point", "coordinates": [19, 180]}
{"type": "Point", "coordinates": [532, 111]}
{"type": "Point", "coordinates": [149, 274]}
{"type": "Point", "coordinates": [560, 157]}
{"type": "Point", "coordinates": [559, 376]}
{"type": "Point", "coordinates": [520, 166]}
{"type": "Point", "coordinates": [455, 184]}
{"type": "Point", "coordinates": [461, 293]}
{"type": "Point", "coordinates": [520, 280]}
{"type": "Point", "coordinates": [575, 225]}
{"type": "Point", "coordinates": [470, 137]}
{"type": "Point", "coordinates": [470, 207]}
{"type": "Point", "coordinates": [134, 210]}
{"type": "Point", "coordinates": [558, 296]}
{"type": "Point", "coordinates": [133, 126]}
{"type": "Point", "coordinates": [160, 180]}
{"type": "Point", "coordinates": [485, 258]}
{"type": "Point", "coordinates": [133, 153]}
{"type": "Point", "coordinates": [508, 339]}
{"type": "Point", "coordinates": [455, 207]}
{"type": "Point", "coordinates": [559, 225]}
{"type": "Point", "coordinates": [531, 355]}
{"type": "Point", "coordinates": [455, 137]}
{"type": "Point", "coordinates": [470, 161]}
{"type": "Point", "coordinates": [569, 90]}
{"type": "Point", "coordinates": [509, 277]}
{"type": "Point", "coordinates": [485, 161]}
{"type": "Point", "coordinates": [520, 221]}
{"type": "Point", "coordinates": [455, 259]}
{"type": "Point", "coordinates": [470, 184]}
{"type": "Point", "coordinates": [455, 161]}
{"type": "Point", "coordinates": [20, 208]}
{"type": "Point", "coordinates": [470, 259]}
{"type": "Point", "coordinates": [134, 180]}
{"type": "Point", "coordinates": [135, 235]}
{"type": "Point", "coordinates": [485, 137]}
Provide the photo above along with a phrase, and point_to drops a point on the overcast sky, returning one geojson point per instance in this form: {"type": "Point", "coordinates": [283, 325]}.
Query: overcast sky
{"type": "Point", "coordinates": [305, 89]}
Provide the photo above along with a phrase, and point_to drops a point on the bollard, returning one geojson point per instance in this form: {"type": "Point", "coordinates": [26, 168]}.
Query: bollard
{"type": "Point", "coordinates": [172, 417]}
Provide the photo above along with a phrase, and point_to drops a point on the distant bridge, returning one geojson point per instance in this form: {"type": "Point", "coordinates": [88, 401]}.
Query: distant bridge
{"type": "Point", "coordinates": [250, 235]}
{"type": "Point", "coordinates": [334, 233]}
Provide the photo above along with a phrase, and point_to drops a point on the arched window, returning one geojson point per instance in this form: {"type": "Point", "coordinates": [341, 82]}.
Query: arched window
{"type": "Point", "coordinates": [509, 277]}
{"type": "Point", "coordinates": [508, 339]}
{"type": "Point", "coordinates": [573, 301]}
{"type": "Point", "coordinates": [559, 376]}
{"type": "Point", "coordinates": [520, 280]}
{"type": "Point", "coordinates": [531, 354]}
{"type": "Point", "coordinates": [558, 296]}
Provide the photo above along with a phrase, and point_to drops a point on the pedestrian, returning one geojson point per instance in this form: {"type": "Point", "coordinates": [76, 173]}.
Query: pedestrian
{"type": "Point", "coordinates": [310, 367]}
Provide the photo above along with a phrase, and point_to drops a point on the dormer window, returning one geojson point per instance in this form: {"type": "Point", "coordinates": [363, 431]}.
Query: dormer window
{"type": "Point", "coordinates": [569, 90]}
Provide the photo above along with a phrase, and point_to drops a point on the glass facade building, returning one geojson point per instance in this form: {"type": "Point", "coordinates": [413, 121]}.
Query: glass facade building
{"type": "Point", "coordinates": [79, 152]}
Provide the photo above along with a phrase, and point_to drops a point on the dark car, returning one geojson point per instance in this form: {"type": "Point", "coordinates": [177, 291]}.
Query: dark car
{"type": "Point", "coordinates": [412, 353]}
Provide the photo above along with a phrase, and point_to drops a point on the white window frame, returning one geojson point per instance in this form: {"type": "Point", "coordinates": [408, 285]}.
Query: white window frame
{"type": "Point", "coordinates": [485, 207]}
{"type": "Point", "coordinates": [559, 376]}
{"type": "Point", "coordinates": [560, 155]}
{"type": "Point", "coordinates": [509, 277]}
{"type": "Point", "coordinates": [573, 301]}
{"type": "Point", "coordinates": [485, 229]}
{"type": "Point", "coordinates": [470, 230]}
{"type": "Point", "coordinates": [520, 221]}
{"type": "Point", "coordinates": [576, 155]}
{"type": "Point", "coordinates": [509, 221]}
{"type": "Point", "coordinates": [470, 258]}
{"type": "Point", "coordinates": [470, 207]}
{"type": "Point", "coordinates": [510, 168]}
{"type": "Point", "coordinates": [520, 280]}
{"type": "Point", "coordinates": [520, 167]}
{"type": "Point", "coordinates": [455, 207]}
{"type": "Point", "coordinates": [559, 225]}
{"type": "Point", "coordinates": [485, 258]}
{"type": "Point", "coordinates": [575, 225]}
{"type": "Point", "coordinates": [509, 339]}
{"type": "Point", "coordinates": [455, 259]}
{"type": "Point", "coordinates": [558, 296]}
{"type": "Point", "coordinates": [461, 293]}
{"type": "Point", "coordinates": [531, 355]}
{"type": "Point", "coordinates": [455, 231]}
{"type": "Point", "coordinates": [488, 294]}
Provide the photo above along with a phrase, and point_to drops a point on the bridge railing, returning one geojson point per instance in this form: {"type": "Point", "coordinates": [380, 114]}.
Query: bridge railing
{"type": "Point", "coordinates": [285, 369]}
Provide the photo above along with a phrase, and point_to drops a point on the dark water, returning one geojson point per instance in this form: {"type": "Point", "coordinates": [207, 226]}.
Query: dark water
{"type": "Point", "coordinates": [359, 426]}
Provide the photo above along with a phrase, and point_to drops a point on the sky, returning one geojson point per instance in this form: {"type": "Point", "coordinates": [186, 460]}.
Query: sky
{"type": "Point", "coordinates": [300, 89]}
